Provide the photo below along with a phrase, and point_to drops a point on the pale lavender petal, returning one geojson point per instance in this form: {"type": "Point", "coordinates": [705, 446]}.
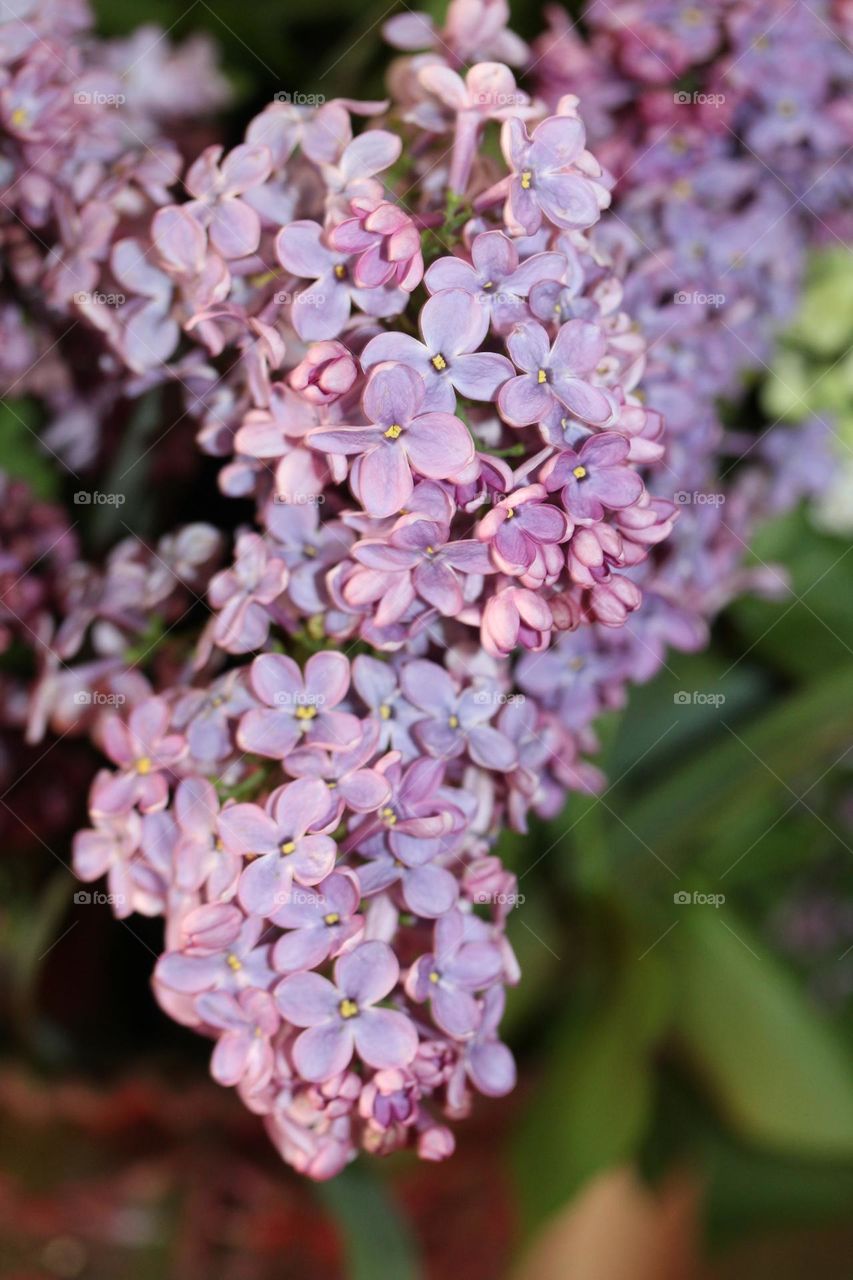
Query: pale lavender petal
{"type": "Point", "coordinates": [480, 375]}
{"type": "Point", "coordinates": [367, 973]}
{"type": "Point", "coordinates": [306, 999]}
{"type": "Point", "coordinates": [324, 1051]}
{"type": "Point", "coordinates": [385, 1038]}
{"type": "Point", "coordinates": [429, 891]}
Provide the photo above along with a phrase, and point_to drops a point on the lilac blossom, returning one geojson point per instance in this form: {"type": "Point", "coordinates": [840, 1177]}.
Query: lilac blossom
{"type": "Point", "coordinates": [282, 843]}
{"type": "Point", "coordinates": [556, 376]}
{"type": "Point", "coordinates": [221, 949]}
{"type": "Point", "coordinates": [595, 477]}
{"type": "Point", "coordinates": [240, 593]}
{"type": "Point", "coordinates": [453, 327]}
{"type": "Point", "coordinates": [455, 722]}
{"type": "Point", "coordinates": [450, 975]}
{"type": "Point", "coordinates": [495, 277]}
{"type": "Point", "coordinates": [522, 529]}
{"type": "Point", "coordinates": [298, 708]}
{"type": "Point", "coordinates": [341, 1017]}
{"type": "Point", "coordinates": [551, 176]}
{"type": "Point", "coordinates": [386, 242]}
{"type": "Point", "coordinates": [322, 309]}
{"type": "Point", "coordinates": [401, 439]}
{"type": "Point", "coordinates": [248, 1021]}
{"type": "Point", "coordinates": [217, 186]}
{"type": "Point", "coordinates": [319, 923]}
{"type": "Point", "coordinates": [417, 559]}
{"type": "Point", "coordinates": [143, 748]}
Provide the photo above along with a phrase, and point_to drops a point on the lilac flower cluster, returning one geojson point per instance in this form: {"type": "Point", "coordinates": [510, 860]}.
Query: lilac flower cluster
{"type": "Point", "coordinates": [434, 406]}
{"type": "Point", "coordinates": [409, 331]}
{"type": "Point", "coordinates": [726, 128]}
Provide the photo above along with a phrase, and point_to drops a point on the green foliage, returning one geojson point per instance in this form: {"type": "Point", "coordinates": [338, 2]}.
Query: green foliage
{"type": "Point", "coordinates": [768, 1059]}
{"type": "Point", "coordinates": [376, 1241]}
{"type": "Point", "coordinates": [21, 455]}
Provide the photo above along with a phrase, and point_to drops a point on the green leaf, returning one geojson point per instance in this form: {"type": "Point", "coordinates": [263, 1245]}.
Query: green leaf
{"type": "Point", "coordinates": [774, 1067]}
{"type": "Point", "coordinates": [21, 455]}
{"type": "Point", "coordinates": [591, 1108]}
{"type": "Point", "coordinates": [377, 1241]}
{"type": "Point", "coordinates": [729, 794]}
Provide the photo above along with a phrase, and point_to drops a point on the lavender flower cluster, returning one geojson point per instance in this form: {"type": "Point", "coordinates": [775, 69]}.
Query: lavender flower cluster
{"type": "Point", "coordinates": [418, 350]}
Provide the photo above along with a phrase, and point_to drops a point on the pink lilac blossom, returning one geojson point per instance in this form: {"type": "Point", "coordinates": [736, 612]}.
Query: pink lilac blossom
{"type": "Point", "coordinates": [479, 510]}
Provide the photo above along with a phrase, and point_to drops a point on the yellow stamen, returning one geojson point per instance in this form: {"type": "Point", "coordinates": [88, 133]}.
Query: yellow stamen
{"type": "Point", "coordinates": [288, 847]}
{"type": "Point", "coordinates": [434, 976]}
{"type": "Point", "coordinates": [385, 712]}
{"type": "Point", "coordinates": [579, 473]}
{"type": "Point", "coordinates": [340, 271]}
{"type": "Point", "coordinates": [20, 117]}
{"type": "Point", "coordinates": [394, 431]}
{"type": "Point", "coordinates": [542, 376]}
{"type": "Point", "coordinates": [331, 918]}
{"type": "Point", "coordinates": [348, 1008]}
{"type": "Point", "coordinates": [233, 963]}
{"type": "Point", "coordinates": [510, 513]}
{"type": "Point", "coordinates": [305, 713]}
{"type": "Point", "coordinates": [143, 765]}
{"type": "Point", "coordinates": [309, 551]}
{"type": "Point", "coordinates": [453, 722]}
{"type": "Point", "coordinates": [526, 179]}
{"type": "Point", "coordinates": [439, 363]}
{"type": "Point", "coordinates": [389, 816]}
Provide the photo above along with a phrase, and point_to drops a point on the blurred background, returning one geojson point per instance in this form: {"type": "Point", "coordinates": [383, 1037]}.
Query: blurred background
{"type": "Point", "coordinates": [683, 1031]}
